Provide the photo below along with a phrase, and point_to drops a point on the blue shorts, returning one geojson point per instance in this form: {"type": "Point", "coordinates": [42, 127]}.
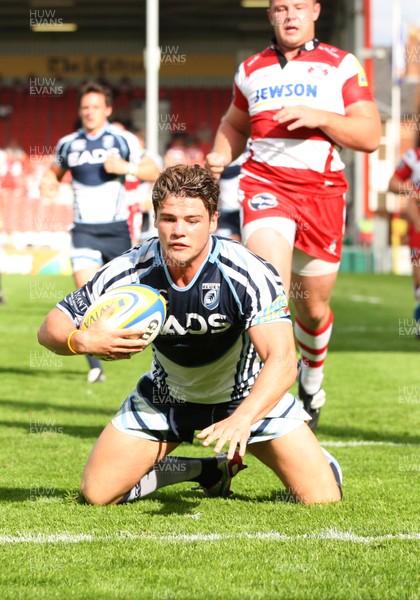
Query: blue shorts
{"type": "Point", "coordinates": [93, 245]}
{"type": "Point", "coordinates": [157, 416]}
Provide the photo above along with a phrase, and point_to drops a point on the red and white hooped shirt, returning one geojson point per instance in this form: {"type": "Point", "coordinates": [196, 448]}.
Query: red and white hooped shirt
{"type": "Point", "coordinates": [320, 76]}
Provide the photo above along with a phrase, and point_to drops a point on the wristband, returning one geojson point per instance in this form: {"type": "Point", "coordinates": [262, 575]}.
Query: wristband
{"type": "Point", "coordinates": [71, 334]}
{"type": "Point", "coordinates": [132, 169]}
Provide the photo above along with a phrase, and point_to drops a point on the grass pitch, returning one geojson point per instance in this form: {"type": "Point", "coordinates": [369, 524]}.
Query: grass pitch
{"type": "Point", "coordinates": [177, 544]}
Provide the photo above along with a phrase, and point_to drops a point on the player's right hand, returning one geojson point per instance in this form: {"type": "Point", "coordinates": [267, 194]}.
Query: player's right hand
{"type": "Point", "coordinates": [103, 341]}
{"type": "Point", "coordinates": [115, 165]}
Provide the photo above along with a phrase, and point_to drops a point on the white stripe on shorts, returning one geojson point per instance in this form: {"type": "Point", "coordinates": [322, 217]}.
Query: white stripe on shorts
{"type": "Point", "coordinates": [139, 416]}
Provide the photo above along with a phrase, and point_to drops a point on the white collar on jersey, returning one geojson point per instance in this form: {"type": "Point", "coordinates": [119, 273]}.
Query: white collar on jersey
{"type": "Point", "coordinates": [307, 47]}
{"type": "Point", "coordinates": [97, 135]}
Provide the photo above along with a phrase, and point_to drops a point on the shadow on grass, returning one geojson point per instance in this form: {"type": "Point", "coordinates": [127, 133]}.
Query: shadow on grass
{"type": "Point", "coordinates": [54, 429]}
{"type": "Point", "coordinates": [176, 502]}
{"type": "Point", "coordinates": [26, 372]}
{"type": "Point", "coordinates": [173, 503]}
{"type": "Point", "coordinates": [37, 493]}
{"type": "Point", "coordinates": [50, 406]}
{"type": "Point", "coordinates": [170, 503]}
{"type": "Point", "coordinates": [167, 503]}
{"type": "Point", "coordinates": [346, 433]}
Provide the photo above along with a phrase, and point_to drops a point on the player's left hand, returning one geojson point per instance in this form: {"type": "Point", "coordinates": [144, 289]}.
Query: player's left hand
{"type": "Point", "coordinates": [233, 431]}
{"type": "Point", "coordinates": [301, 116]}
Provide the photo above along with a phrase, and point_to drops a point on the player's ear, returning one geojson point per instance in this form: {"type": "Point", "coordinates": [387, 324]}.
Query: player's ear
{"type": "Point", "coordinates": [317, 10]}
{"type": "Point", "coordinates": [213, 222]}
{"type": "Point", "coordinates": [108, 111]}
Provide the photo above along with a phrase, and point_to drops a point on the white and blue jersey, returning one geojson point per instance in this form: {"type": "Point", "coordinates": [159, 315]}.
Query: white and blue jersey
{"type": "Point", "coordinates": [204, 353]}
{"type": "Point", "coordinates": [99, 197]}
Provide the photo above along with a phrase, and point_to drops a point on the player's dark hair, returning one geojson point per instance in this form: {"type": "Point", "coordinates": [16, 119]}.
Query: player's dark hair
{"type": "Point", "coordinates": [187, 181]}
{"type": "Point", "coordinates": [92, 87]}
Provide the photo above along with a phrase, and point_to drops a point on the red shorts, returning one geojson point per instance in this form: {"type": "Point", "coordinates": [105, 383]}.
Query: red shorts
{"type": "Point", "coordinates": [320, 221]}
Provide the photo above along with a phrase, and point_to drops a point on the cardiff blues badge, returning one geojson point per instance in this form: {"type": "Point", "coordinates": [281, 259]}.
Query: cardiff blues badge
{"type": "Point", "coordinates": [210, 295]}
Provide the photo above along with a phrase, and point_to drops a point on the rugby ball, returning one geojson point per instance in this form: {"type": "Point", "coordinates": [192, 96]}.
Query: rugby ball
{"type": "Point", "coordinates": [134, 304]}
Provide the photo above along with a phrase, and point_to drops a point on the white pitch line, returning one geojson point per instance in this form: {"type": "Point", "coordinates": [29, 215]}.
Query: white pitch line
{"type": "Point", "coordinates": [363, 329]}
{"type": "Point", "coordinates": [365, 299]}
{"type": "Point", "coordinates": [276, 536]}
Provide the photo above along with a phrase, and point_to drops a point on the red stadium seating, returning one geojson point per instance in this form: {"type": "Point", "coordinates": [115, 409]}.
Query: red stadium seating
{"type": "Point", "coordinates": [38, 121]}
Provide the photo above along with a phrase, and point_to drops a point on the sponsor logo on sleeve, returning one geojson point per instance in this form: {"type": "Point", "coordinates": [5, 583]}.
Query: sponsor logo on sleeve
{"type": "Point", "coordinates": [361, 75]}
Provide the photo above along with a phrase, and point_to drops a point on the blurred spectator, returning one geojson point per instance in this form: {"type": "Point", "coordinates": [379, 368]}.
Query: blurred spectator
{"type": "Point", "coordinates": [406, 181]}
{"type": "Point", "coordinates": [125, 86]}
{"type": "Point", "coordinates": [176, 152]}
{"type": "Point", "coordinates": [365, 232]}
{"type": "Point", "coordinates": [2, 298]}
{"type": "Point", "coordinates": [194, 152]}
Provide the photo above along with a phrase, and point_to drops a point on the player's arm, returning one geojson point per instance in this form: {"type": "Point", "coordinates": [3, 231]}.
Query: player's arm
{"type": "Point", "coordinates": [230, 141]}
{"type": "Point", "coordinates": [275, 345]}
{"type": "Point", "coordinates": [50, 181]}
{"type": "Point", "coordinates": [395, 184]}
{"type": "Point", "coordinates": [413, 211]}
{"type": "Point", "coordinates": [145, 170]}
{"type": "Point", "coordinates": [359, 129]}
{"type": "Point", "coordinates": [56, 334]}
{"type": "Point", "coordinates": [400, 185]}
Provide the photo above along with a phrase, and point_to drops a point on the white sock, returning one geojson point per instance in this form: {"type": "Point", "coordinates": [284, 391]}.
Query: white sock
{"type": "Point", "coordinates": [170, 470]}
{"type": "Point", "coordinates": [313, 346]}
{"type": "Point", "coordinates": [311, 378]}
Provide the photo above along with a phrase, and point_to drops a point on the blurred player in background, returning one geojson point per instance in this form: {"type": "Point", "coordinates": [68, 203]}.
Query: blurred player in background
{"type": "Point", "coordinates": [99, 157]}
{"type": "Point", "coordinates": [2, 238]}
{"type": "Point", "coordinates": [299, 101]}
{"type": "Point", "coordinates": [229, 221]}
{"type": "Point", "coordinates": [222, 363]}
{"type": "Point", "coordinates": [139, 195]}
{"type": "Point", "coordinates": [144, 193]}
{"type": "Point", "coordinates": [13, 178]}
{"type": "Point", "coordinates": [406, 180]}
